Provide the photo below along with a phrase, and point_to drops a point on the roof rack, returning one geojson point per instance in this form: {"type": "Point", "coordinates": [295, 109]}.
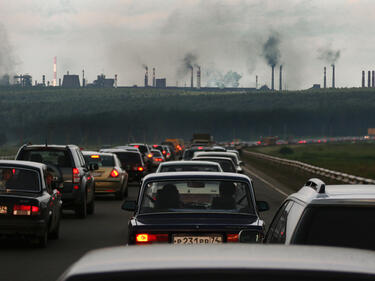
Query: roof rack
{"type": "Point", "coordinates": [316, 184]}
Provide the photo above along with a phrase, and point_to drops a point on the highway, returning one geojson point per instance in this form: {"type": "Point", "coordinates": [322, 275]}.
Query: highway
{"type": "Point", "coordinates": [107, 227]}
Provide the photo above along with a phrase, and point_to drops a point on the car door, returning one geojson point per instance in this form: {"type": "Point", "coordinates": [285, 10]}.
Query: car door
{"type": "Point", "coordinates": [277, 231]}
{"type": "Point", "coordinates": [87, 175]}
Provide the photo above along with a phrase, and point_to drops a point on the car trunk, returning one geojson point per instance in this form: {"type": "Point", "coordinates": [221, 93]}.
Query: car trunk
{"type": "Point", "coordinates": [9, 199]}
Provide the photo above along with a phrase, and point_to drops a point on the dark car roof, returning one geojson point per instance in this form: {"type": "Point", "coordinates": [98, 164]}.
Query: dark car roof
{"type": "Point", "coordinates": [234, 257]}
{"type": "Point", "coordinates": [196, 175]}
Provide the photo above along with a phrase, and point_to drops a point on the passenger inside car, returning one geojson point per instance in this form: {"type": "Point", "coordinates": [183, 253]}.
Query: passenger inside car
{"type": "Point", "coordinates": [167, 197]}
{"type": "Point", "coordinates": [226, 199]}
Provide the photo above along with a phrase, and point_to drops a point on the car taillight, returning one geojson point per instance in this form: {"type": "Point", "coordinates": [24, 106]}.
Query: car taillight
{"type": "Point", "coordinates": [155, 145]}
{"type": "Point", "coordinates": [158, 159]}
{"type": "Point", "coordinates": [232, 237]}
{"type": "Point", "coordinates": [140, 169]}
{"type": "Point", "coordinates": [168, 154]}
{"type": "Point", "coordinates": [149, 155]}
{"type": "Point", "coordinates": [114, 173]}
{"type": "Point", "coordinates": [164, 152]}
{"type": "Point", "coordinates": [25, 210]}
{"type": "Point", "coordinates": [146, 238]}
{"type": "Point", "coordinates": [136, 146]}
{"type": "Point", "coordinates": [76, 175]}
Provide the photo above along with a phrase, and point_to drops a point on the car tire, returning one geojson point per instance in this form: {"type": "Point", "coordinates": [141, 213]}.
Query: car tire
{"type": "Point", "coordinates": [55, 234]}
{"type": "Point", "coordinates": [91, 207]}
{"type": "Point", "coordinates": [81, 210]}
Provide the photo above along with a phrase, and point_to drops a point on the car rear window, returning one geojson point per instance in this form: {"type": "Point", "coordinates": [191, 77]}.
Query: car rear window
{"type": "Point", "coordinates": [19, 179]}
{"type": "Point", "coordinates": [186, 168]}
{"type": "Point", "coordinates": [101, 160]}
{"type": "Point", "coordinates": [60, 158]}
{"type": "Point", "coordinates": [203, 196]}
{"type": "Point", "coordinates": [142, 148]}
{"type": "Point", "coordinates": [156, 153]}
{"type": "Point", "coordinates": [343, 226]}
{"type": "Point", "coordinates": [227, 166]}
{"type": "Point", "coordinates": [128, 158]}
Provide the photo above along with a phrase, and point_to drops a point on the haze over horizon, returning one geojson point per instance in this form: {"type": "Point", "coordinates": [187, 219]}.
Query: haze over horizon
{"type": "Point", "coordinates": [117, 37]}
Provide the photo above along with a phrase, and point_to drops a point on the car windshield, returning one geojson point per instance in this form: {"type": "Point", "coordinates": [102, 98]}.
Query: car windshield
{"type": "Point", "coordinates": [19, 179]}
{"type": "Point", "coordinates": [156, 153]}
{"type": "Point", "coordinates": [184, 168]}
{"type": "Point", "coordinates": [59, 158]}
{"type": "Point", "coordinates": [101, 160]}
{"type": "Point", "coordinates": [192, 196]}
{"type": "Point", "coordinates": [344, 226]}
{"type": "Point", "coordinates": [226, 165]}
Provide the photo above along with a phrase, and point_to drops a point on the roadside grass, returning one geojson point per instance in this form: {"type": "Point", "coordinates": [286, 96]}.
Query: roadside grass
{"type": "Point", "coordinates": [353, 158]}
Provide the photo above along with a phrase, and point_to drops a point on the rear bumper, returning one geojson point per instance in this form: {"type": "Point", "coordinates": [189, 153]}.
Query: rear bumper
{"type": "Point", "coordinates": [107, 186]}
{"type": "Point", "coordinates": [22, 227]}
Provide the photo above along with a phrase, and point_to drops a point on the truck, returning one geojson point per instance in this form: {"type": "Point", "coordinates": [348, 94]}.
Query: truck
{"type": "Point", "coordinates": [202, 139]}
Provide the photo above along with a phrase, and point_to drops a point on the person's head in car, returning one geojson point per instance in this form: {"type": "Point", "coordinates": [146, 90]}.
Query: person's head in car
{"type": "Point", "coordinates": [227, 189]}
{"type": "Point", "coordinates": [168, 197]}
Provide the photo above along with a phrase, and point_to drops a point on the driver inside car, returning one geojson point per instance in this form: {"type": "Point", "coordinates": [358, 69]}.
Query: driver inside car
{"type": "Point", "coordinates": [226, 199]}
{"type": "Point", "coordinates": [168, 197]}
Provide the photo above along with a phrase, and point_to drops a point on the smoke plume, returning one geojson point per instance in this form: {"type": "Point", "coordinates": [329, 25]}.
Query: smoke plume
{"type": "Point", "coordinates": [328, 55]}
{"type": "Point", "coordinates": [271, 51]}
{"type": "Point", "coordinates": [216, 78]}
{"type": "Point", "coordinates": [188, 62]}
{"type": "Point", "coordinates": [7, 61]}
{"type": "Point", "coordinates": [145, 66]}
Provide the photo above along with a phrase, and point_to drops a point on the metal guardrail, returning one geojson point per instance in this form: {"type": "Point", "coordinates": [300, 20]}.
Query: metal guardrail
{"type": "Point", "coordinates": [6, 157]}
{"type": "Point", "coordinates": [343, 177]}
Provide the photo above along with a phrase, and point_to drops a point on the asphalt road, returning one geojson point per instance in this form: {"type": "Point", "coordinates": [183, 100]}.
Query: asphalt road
{"type": "Point", "coordinates": [107, 227]}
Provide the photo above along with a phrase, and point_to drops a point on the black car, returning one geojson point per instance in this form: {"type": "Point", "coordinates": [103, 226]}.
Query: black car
{"type": "Point", "coordinates": [131, 161]}
{"type": "Point", "coordinates": [194, 208]}
{"type": "Point", "coordinates": [29, 205]}
{"type": "Point", "coordinates": [146, 153]}
{"type": "Point", "coordinates": [68, 165]}
{"type": "Point", "coordinates": [225, 163]}
{"type": "Point", "coordinates": [326, 215]}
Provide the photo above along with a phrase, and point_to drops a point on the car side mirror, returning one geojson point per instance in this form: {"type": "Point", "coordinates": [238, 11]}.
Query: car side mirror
{"type": "Point", "coordinates": [262, 206]}
{"type": "Point", "coordinates": [93, 166]}
{"type": "Point", "coordinates": [249, 236]}
{"type": "Point", "coordinates": [242, 163]}
{"type": "Point", "coordinates": [129, 205]}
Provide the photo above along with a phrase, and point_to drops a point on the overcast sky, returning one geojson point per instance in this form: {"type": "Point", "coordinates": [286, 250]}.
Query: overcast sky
{"type": "Point", "coordinates": [110, 36]}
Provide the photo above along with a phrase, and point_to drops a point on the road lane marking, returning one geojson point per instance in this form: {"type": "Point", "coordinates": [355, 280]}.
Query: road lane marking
{"type": "Point", "coordinates": [266, 182]}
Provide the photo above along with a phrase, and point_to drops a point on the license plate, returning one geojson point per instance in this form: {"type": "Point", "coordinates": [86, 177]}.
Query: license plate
{"type": "Point", "coordinates": [192, 239]}
{"type": "Point", "coordinates": [3, 209]}
{"type": "Point", "coordinates": [96, 174]}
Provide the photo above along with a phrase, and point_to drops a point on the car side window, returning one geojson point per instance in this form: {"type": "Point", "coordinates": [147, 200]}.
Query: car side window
{"type": "Point", "coordinates": [81, 159]}
{"type": "Point", "coordinates": [277, 231]}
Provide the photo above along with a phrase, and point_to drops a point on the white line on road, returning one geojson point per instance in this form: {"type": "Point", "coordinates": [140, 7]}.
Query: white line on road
{"type": "Point", "coordinates": [266, 182]}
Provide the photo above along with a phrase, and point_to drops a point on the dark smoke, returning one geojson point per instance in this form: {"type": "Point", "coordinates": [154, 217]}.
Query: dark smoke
{"type": "Point", "coordinates": [145, 66]}
{"type": "Point", "coordinates": [328, 55]}
{"type": "Point", "coordinates": [188, 63]}
{"type": "Point", "coordinates": [271, 51]}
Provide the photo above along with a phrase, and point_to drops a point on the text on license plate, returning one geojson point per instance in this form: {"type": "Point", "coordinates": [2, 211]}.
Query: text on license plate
{"type": "Point", "coordinates": [197, 239]}
{"type": "Point", "coordinates": [3, 209]}
{"type": "Point", "coordinates": [97, 174]}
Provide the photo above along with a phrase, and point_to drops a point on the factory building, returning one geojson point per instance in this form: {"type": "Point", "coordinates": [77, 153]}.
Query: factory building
{"type": "Point", "coordinates": [161, 83]}
{"type": "Point", "coordinates": [70, 81]}
{"type": "Point", "coordinates": [102, 82]}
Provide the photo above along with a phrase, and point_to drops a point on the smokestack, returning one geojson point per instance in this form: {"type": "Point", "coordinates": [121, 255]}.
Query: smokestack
{"type": "Point", "coordinates": [192, 78]}
{"type": "Point", "coordinates": [333, 76]}
{"type": "Point", "coordinates": [281, 78]}
{"type": "Point", "coordinates": [54, 71]}
{"type": "Point", "coordinates": [44, 80]}
{"type": "Point", "coordinates": [59, 82]}
{"type": "Point", "coordinates": [199, 77]}
{"type": "Point", "coordinates": [256, 82]}
{"type": "Point", "coordinates": [146, 77]}
{"type": "Point", "coordinates": [325, 78]}
{"type": "Point", "coordinates": [369, 79]}
{"type": "Point", "coordinates": [363, 79]}
{"type": "Point", "coordinates": [115, 80]}
{"type": "Point", "coordinates": [153, 78]}
{"type": "Point", "coordinates": [83, 79]}
{"type": "Point", "coordinates": [273, 78]}
{"type": "Point", "coordinates": [373, 78]}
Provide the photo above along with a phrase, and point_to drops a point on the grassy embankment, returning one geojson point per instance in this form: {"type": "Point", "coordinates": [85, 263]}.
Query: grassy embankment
{"type": "Point", "coordinates": [353, 158]}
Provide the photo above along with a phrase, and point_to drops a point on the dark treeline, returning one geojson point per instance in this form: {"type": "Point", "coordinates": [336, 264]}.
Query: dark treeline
{"type": "Point", "coordinates": [101, 116]}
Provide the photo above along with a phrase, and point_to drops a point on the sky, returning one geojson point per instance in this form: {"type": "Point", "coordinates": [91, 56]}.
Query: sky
{"type": "Point", "coordinates": [118, 37]}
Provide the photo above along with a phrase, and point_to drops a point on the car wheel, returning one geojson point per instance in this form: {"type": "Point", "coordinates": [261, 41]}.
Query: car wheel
{"type": "Point", "coordinates": [120, 194]}
{"type": "Point", "coordinates": [91, 207]}
{"type": "Point", "coordinates": [81, 210]}
{"type": "Point", "coordinates": [55, 234]}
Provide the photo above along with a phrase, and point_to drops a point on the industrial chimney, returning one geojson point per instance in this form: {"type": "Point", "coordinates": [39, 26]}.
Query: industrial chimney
{"type": "Point", "coordinates": [363, 79]}
{"type": "Point", "coordinates": [373, 79]}
{"type": "Point", "coordinates": [115, 80]}
{"type": "Point", "coordinates": [192, 78]}
{"type": "Point", "coordinates": [153, 78]}
{"type": "Point", "coordinates": [44, 80]}
{"type": "Point", "coordinates": [273, 78]}
{"type": "Point", "coordinates": [54, 71]}
{"type": "Point", "coordinates": [146, 77]}
{"type": "Point", "coordinates": [83, 79]}
{"type": "Point", "coordinates": [59, 82]}
{"type": "Point", "coordinates": [199, 77]}
{"type": "Point", "coordinates": [369, 79]}
{"type": "Point", "coordinates": [325, 78]}
{"type": "Point", "coordinates": [281, 78]}
{"type": "Point", "coordinates": [256, 81]}
{"type": "Point", "coordinates": [333, 76]}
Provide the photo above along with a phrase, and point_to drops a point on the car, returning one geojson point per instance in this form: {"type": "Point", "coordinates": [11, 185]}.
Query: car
{"type": "Point", "coordinates": [161, 148]}
{"type": "Point", "coordinates": [132, 162]}
{"type": "Point", "coordinates": [225, 163]}
{"type": "Point", "coordinates": [30, 206]}
{"type": "Point", "coordinates": [127, 148]}
{"type": "Point", "coordinates": [110, 177]}
{"type": "Point", "coordinates": [157, 157]}
{"type": "Point", "coordinates": [194, 207]}
{"type": "Point", "coordinates": [223, 263]}
{"type": "Point", "coordinates": [231, 155]}
{"type": "Point", "coordinates": [146, 153]}
{"type": "Point", "coordinates": [168, 152]}
{"type": "Point", "coordinates": [183, 166]}
{"type": "Point", "coordinates": [327, 215]}
{"type": "Point", "coordinates": [69, 166]}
